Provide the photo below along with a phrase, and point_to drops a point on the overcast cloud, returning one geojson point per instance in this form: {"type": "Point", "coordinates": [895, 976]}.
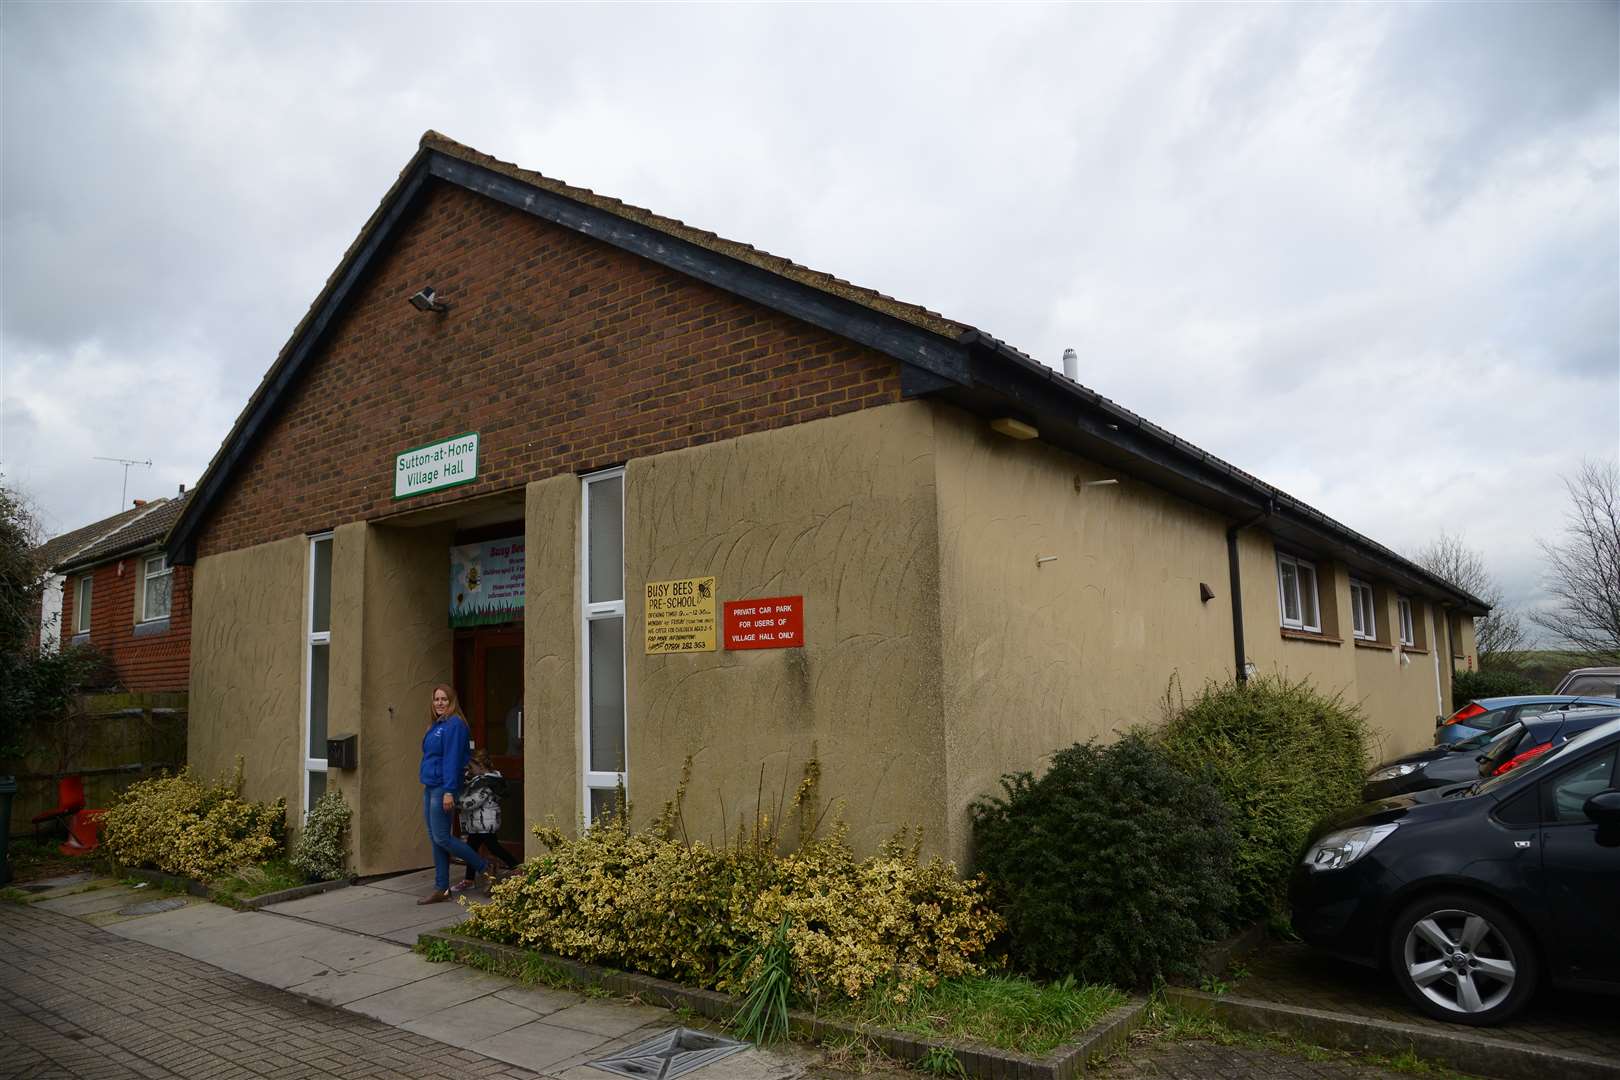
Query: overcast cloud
{"type": "Point", "coordinates": [1369, 253]}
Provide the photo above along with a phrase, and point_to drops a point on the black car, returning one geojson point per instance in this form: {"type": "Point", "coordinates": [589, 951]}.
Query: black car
{"type": "Point", "coordinates": [1471, 895]}
{"type": "Point", "coordinates": [1491, 751]}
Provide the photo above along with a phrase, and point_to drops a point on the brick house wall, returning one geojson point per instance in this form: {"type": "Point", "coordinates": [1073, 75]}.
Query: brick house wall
{"type": "Point", "coordinates": [146, 662]}
{"type": "Point", "coordinates": [564, 354]}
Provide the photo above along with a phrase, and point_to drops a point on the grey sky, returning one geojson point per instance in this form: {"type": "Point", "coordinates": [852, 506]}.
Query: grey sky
{"type": "Point", "coordinates": [1370, 253]}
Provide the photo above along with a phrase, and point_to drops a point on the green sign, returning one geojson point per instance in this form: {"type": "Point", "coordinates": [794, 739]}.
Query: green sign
{"type": "Point", "coordinates": [438, 465]}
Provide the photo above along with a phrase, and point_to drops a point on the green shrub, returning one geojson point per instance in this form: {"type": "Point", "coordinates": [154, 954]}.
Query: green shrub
{"type": "Point", "coordinates": [320, 851]}
{"type": "Point", "coordinates": [1491, 682]}
{"type": "Point", "coordinates": [1283, 757]}
{"type": "Point", "coordinates": [1115, 865]}
{"type": "Point", "coordinates": [182, 826]}
{"type": "Point", "coordinates": [653, 903]}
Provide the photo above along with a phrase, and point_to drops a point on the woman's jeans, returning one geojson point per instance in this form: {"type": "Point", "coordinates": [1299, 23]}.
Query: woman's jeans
{"type": "Point", "coordinates": [445, 844]}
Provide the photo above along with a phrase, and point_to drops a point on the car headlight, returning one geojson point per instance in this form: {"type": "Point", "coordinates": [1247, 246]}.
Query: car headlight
{"type": "Point", "coordinates": [1395, 772]}
{"type": "Point", "coordinates": [1335, 851]}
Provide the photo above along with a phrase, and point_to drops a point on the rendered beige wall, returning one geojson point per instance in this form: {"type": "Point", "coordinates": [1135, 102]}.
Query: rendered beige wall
{"type": "Point", "coordinates": [247, 668]}
{"type": "Point", "coordinates": [1037, 657]}
{"type": "Point", "coordinates": [551, 616]}
{"type": "Point", "coordinates": [841, 511]}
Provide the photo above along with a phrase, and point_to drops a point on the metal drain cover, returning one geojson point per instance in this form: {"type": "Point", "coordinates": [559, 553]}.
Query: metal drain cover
{"type": "Point", "coordinates": [152, 907]}
{"type": "Point", "coordinates": [670, 1054]}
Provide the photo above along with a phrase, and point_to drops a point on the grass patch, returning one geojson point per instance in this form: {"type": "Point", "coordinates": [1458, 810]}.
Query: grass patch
{"type": "Point", "coordinates": [530, 970]}
{"type": "Point", "coordinates": [246, 882]}
{"type": "Point", "coordinates": [1006, 1012]}
{"type": "Point", "coordinates": [15, 896]}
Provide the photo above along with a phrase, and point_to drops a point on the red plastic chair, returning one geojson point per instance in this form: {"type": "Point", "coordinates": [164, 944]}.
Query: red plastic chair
{"type": "Point", "coordinates": [84, 832]}
{"type": "Point", "coordinates": [69, 801]}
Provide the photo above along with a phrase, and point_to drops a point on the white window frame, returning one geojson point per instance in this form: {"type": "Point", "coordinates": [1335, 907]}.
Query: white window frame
{"type": "Point", "coordinates": [1403, 608]}
{"type": "Point", "coordinates": [312, 638]}
{"type": "Point", "coordinates": [146, 584]}
{"type": "Point", "coordinates": [1309, 620]}
{"type": "Point", "coordinates": [82, 598]}
{"type": "Point", "coordinates": [595, 780]}
{"type": "Point", "coordinates": [1363, 611]}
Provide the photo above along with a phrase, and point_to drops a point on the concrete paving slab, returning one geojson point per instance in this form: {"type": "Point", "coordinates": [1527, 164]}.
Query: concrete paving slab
{"type": "Point", "coordinates": [320, 904]}
{"type": "Point", "coordinates": [609, 1019]}
{"type": "Point", "coordinates": [415, 1000]}
{"type": "Point", "coordinates": [540, 1000]}
{"type": "Point", "coordinates": [751, 1064]}
{"type": "Point", "coordinates": [449, 916]}
{"type": "Point", "coordinates": [417, 883]}
{"type": "Point", "coordinates": [407, 965]}
{"type": "Point", "coordinates": [341, 987]}
{"type": "Point", "coordinates": [467, 1025]}
{"type": "Point", "coordinates": [86, 903]}
{"type": "Point", "coordinates": [269, 966]}
{"type": "Point", "coordinates": [540, 1046]}
{"type": "Point", "coordinates": [168, 927]}
{"type": "Point", "coordinates": [245, 929]}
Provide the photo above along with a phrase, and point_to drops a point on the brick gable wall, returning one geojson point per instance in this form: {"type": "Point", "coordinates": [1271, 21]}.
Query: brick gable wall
{"type": "Point", "coordinates": [144, 664]}
{"type": "Point", "coordinates": [563, 353]}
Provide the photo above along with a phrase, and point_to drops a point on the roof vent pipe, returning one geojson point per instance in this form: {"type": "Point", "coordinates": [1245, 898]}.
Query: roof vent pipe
{"type": "Point", "coordinates": [1071, 365]}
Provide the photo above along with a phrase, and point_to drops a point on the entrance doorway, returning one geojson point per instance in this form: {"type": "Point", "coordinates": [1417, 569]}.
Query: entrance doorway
{"type": "Point", "coordinates": [489, 682]}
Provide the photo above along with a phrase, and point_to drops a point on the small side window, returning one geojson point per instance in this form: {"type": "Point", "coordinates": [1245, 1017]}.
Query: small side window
{"type": "Point", "coordinates": [1523, 809]}
{"type": "Point", "coordinates": [1564, 796]}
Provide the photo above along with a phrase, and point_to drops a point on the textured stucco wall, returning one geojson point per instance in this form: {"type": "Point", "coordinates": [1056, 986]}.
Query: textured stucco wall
{"type": "Point", "coordinates": [1037, 657]}
{"type": "Point", "coordinates": [841, 511]}
{"type": "Point", "coordinates": [247, 657]}
{"type": "Point", "coordinates": [551, 735]}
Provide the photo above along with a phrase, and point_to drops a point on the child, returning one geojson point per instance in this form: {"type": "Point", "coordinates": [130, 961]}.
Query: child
{"type": "Point", "coordinates": [481, 812]}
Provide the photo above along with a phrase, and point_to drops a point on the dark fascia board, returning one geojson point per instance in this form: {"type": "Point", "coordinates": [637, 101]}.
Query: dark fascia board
{"type": "Point", "coordinates": [914, 347]}
{"type": "Point", "coordinates": [1047, 399]}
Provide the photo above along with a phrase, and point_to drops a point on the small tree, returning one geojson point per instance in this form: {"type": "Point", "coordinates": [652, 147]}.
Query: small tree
{"type": "Point", "coordinates": [22, 579]}
{"type": "Point", "coordinates": [1496, 635]}
{"type": "Point", "coordinates": [1583, 568]}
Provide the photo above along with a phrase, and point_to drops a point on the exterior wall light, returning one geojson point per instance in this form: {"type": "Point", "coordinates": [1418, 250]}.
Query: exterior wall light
{"type": "Point", "coordinates": [428, 300]}
{"type": "Point", "coordinates": [1013, 429]}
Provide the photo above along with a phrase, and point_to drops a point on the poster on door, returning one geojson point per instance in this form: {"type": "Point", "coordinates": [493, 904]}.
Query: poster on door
{"type": "Point", "coordinates": [486, 582]}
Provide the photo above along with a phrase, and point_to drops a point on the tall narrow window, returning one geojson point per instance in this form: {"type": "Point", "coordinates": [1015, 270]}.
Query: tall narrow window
{"type": "Point", "coordinates": [81, 607]}
{"type": "Point", "coordinates": [1296, 594]}
{"type": "Point", "coordinates": [602, 567]}
{"type": "Point", "coordinates": [156, 575]}
{"type": "Point", "coordinates": [1363, 615]}
{"type": "Point", "coordinates": [1408, 633]}
{"type": "Point", "coordinates": [318, 667]}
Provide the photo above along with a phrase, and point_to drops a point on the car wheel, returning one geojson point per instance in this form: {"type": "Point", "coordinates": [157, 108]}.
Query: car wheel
{"type": "Point", "coordinates": [1462, 959]}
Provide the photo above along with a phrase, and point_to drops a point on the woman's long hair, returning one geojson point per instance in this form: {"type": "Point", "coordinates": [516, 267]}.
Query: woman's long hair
{"type": "Point", "coordinates": [455, 706]}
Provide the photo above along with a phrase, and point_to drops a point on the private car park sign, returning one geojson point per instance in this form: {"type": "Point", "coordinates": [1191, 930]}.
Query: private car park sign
{"type": "Point", "coordinates": [776, 622]}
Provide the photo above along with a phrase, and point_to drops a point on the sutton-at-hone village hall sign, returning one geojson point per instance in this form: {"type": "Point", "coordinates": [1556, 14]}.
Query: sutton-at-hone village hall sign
{"type": "Point", "coordinates": [436, 466]}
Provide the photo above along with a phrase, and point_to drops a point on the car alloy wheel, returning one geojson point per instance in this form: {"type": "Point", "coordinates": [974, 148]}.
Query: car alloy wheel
{"type": "Point", "coordinates": [1462, 960]}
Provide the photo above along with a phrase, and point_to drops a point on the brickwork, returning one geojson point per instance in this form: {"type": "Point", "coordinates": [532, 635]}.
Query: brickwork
{"type": "Point", "coordinates": [78, 1003]}
{"type": "Point", "coordinates": [149, 662]}
{"type": "Point", "coordinates": [563, 353]}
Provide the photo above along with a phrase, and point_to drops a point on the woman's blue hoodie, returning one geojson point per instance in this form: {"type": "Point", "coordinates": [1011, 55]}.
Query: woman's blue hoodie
{"type": "Point", "coordinates": [444, 753]}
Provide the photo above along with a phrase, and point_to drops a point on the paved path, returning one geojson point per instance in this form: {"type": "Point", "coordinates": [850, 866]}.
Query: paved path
{"type": "Point", "coordinates": [1197, 1060]}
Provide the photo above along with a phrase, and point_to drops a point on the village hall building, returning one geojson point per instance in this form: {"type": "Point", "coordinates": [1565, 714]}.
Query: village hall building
{"type": "Point", "coordinates": [643, 494]}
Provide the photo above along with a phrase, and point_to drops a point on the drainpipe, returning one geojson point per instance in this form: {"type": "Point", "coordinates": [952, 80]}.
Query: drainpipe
{"type": "Point", "coordinates": [1240, 654]}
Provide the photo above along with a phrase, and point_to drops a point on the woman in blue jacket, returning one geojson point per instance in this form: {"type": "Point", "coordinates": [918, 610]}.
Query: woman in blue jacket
{"type": "Point", "coordinates": [444, 759]}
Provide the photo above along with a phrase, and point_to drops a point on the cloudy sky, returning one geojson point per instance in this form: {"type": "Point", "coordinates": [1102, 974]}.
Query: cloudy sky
{"type": "Point", "coordinates": [1369, 253]}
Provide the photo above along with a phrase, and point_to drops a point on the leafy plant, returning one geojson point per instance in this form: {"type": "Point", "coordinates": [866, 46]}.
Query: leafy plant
{"type": "Point", "coordinates": [941, 1061]}
{"type": "Point", "coordinates": [1115, 865]}
{"type": "Point", "coordinates": [320, 851]}
{"type": "Point", "coordinates": [1492, 682]}
{"type": "Point", "coordinates": [436, 951]}
{"type": "Point", "coordinates": [1283, 756]}
{"type": "Point", "coordinates": [767, 968]}
{"type": "Point", "coordinates": [198, 830]}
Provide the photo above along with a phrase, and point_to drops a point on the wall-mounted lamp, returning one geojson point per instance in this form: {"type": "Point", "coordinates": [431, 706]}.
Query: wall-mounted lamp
{"type": "Point", "coordinates": [428, 300]}
{"type": "Point", "coordinates": [1013, 429]}
{"type": "Point", "coordinates": [1205, 593]}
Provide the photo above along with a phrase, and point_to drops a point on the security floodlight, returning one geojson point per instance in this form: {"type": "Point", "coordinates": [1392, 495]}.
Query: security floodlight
{"type": "Point", "coordinates": [427, 300]}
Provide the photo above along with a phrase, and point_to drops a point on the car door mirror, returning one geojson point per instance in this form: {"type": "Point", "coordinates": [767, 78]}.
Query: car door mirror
{"type": "Point", "coordinates": [1604, 808]}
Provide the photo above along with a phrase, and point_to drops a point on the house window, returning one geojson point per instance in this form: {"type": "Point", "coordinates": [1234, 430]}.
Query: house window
{"type": "Point", "coordinates": [81, 607]}
{"type": "Point", "coordinates": [1296, 594]}
{"type": "Point", "coordinates": [317, 667]}
{"type": "Point", "coordinates": [1408, 631]}
{"type": "Point", "coordinates": [1363, 614]}
{"type": "Point", "coordinates": [602, 567]}
{"type": "Point", "coordinates": [157, 577]}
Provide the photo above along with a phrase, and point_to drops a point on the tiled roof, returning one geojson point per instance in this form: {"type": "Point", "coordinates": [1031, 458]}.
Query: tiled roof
{"type": "Point", "coordinates": [149, 528]}
{"type": "Point", "coordinates": [61, 548]}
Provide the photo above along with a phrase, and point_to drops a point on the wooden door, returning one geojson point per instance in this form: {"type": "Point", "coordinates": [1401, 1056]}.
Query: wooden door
{"type": "Point", "coordinates": [489, 678]}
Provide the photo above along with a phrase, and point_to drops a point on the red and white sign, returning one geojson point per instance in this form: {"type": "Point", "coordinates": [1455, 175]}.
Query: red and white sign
{"type": "Point", "coordinates": [777, 622]}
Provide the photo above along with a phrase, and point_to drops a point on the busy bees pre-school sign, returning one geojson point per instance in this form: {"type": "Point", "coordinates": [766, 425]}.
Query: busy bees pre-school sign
{"type": "Point", "coordinates": [437, 465]}
{"type": "Point", "coordinates": [680, 616]}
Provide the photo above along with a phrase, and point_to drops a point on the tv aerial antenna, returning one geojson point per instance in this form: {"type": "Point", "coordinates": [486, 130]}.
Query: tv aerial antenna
{"type": "Point", "coordinates": [123, 494]}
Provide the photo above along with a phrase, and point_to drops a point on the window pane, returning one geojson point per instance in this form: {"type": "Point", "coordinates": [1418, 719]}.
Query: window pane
{"type": "Point", "coordinates": [1307, 596]}
{"type": "Point", "coordinates": [607, 695]}
{"type": "Point", "coordinates": [503, 698]}
{"type": "Point", "coordinates": [602, 800]}
{"type": "Point", "coordinates": [1290, 592]}
{"type": "Point", "coordinates": [1570, 791]}
{"type": "Point", "coordinates": [318, 660]}
{"type": "Point", "coordinates": [157, 596]}
{"type": "Point", "coordinates": [81, 617]}
{"type": "Point", "coordinates": [605, 539]}
{"type": "Point", "coordinates": [1357, 604]}
{"type": "Point", "coordinates": [317, 788]}
{"type": "Point", "coordinates": [320, 615]}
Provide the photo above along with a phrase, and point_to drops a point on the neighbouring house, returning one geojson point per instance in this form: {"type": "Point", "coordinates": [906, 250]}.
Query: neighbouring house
{"type": "Point", "coordinates": [120, 594]}
{"type": "Point", "coordinates": [643, 494]}
{"type": "Point", "coordinates": [58, 550]}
